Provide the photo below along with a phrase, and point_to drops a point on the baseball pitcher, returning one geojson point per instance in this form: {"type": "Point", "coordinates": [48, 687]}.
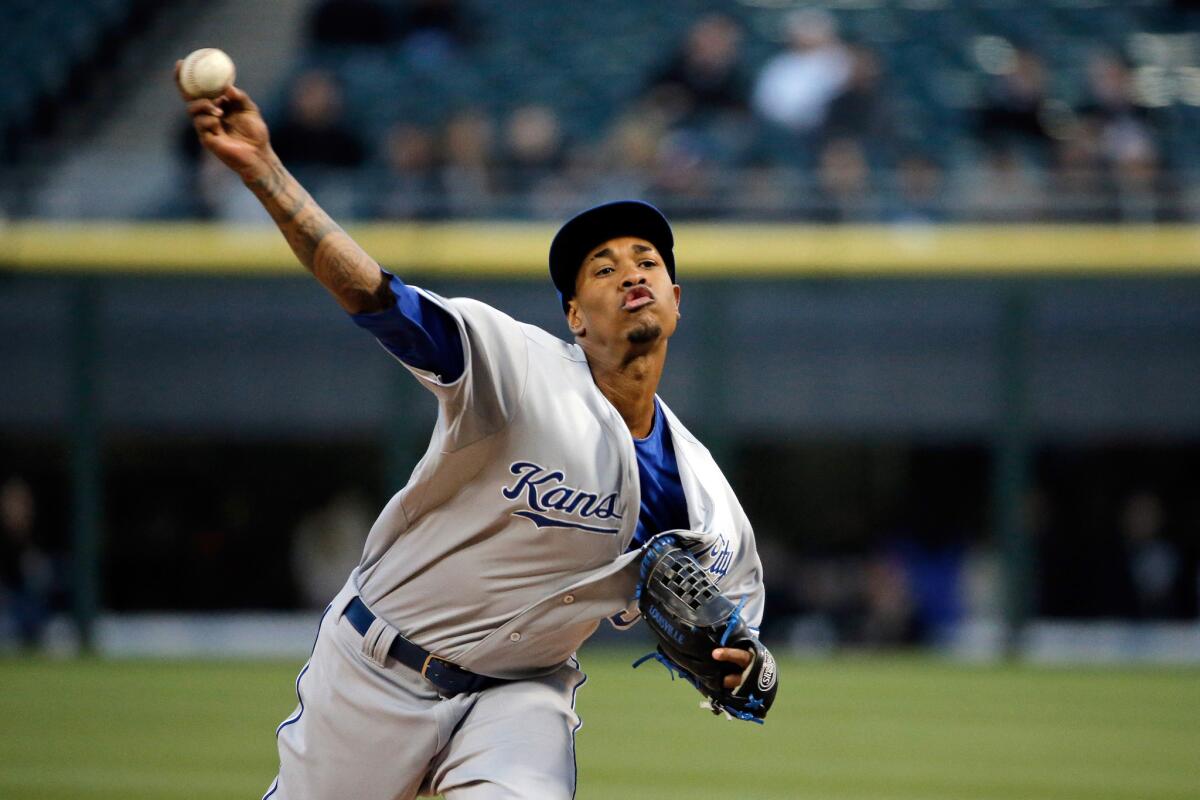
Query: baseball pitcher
{"type": "Point", "coordinates": [558, 491]}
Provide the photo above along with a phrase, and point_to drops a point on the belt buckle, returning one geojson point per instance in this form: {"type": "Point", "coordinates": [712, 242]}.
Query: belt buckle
{"type": "Point", "coordinates": [435, 679]}
{"type": "Point", "coordinates": [449, 678]}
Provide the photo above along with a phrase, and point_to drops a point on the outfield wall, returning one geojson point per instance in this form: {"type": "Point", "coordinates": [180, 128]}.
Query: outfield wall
{"type": "Point", "coordinates": [518, 249]}
{"type": "Point", "coordinates": [786, 329]}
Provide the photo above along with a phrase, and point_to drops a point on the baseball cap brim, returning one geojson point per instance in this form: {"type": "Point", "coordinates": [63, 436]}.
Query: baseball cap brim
{"type": "Point", "coordinates": [586, 230]}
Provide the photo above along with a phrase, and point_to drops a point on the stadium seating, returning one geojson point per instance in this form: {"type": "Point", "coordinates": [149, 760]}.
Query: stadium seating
{"type": "Point", "coordinates": [601, 51]}
{"type": "Point", "coordinates": [590, 61]}
{"type": "Point", "coordinates": [44, 41]}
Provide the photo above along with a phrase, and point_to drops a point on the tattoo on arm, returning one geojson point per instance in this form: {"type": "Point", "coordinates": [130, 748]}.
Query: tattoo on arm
{"type": "Point", "coordinates": [320, 244]}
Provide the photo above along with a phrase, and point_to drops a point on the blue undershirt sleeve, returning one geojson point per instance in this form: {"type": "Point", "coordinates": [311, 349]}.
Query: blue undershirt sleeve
{"type": "Point", "coordinates": [417, 331]}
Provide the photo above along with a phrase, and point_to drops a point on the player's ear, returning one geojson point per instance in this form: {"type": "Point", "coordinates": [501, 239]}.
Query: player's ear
{"type": "Point", "coordinates": [677, 292]}
{"type": "Point", "coordinates": [574, 318]}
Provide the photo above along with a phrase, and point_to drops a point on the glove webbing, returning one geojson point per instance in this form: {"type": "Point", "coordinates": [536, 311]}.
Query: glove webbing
{"type": "Point", "coordinates": [694, 587]}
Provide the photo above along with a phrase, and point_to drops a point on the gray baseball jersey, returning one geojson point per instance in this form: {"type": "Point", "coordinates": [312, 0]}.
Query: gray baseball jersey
{"type": "Point", "coordinates": [503, 554]}
{"type": "Point", "coordinates": [527, 496]}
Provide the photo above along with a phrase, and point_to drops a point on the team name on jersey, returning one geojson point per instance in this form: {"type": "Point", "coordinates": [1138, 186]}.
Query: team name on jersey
{"type": "Point", "coordinates": [548, 498]}
{"type": "Point", "coordinates": [719, 557]}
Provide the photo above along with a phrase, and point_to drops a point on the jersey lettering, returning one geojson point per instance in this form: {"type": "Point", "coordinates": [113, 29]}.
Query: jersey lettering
{"type": "Point", "coordinates": [721, 554]}
{"type": "Point", "coordinates": [543, 490]}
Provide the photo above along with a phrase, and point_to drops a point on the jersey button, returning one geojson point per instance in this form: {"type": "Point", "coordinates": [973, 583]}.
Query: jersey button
{"type": "Point", "coordinates": [514, 637]}
{"type": "Point", "coordinates": [568, 599]}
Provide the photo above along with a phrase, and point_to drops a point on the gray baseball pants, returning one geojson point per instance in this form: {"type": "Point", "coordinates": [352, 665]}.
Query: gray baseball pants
{"type": "Point", "coordinates": [374, 732]}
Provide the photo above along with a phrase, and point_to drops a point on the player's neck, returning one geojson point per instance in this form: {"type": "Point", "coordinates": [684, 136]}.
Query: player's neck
{"type": "Point", "coordinates": [630, 384]}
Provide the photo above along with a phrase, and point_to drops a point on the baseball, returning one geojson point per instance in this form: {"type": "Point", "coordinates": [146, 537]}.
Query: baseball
{"type": "Point", "coordinates": [206, 72]}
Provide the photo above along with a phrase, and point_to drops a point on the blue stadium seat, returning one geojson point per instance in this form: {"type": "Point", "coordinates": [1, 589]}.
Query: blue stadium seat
{"type": "Point", "coordinates": [45, 41]}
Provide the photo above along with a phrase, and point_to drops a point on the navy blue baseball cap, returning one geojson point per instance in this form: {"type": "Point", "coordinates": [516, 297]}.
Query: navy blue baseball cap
{"type": "Point", "coordinates": [586, 230]}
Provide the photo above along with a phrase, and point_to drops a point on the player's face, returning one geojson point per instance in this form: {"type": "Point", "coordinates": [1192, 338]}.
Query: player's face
{"type": "Point", "coordinates": [624, 295]}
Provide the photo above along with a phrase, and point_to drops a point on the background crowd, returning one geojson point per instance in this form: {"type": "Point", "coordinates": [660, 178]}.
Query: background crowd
{"type": "Point", "coordinates": [406, 110]}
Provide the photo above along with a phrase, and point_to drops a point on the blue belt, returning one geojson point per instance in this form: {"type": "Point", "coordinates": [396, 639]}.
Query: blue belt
{"type": "Point", "coordinates": [449, 678]}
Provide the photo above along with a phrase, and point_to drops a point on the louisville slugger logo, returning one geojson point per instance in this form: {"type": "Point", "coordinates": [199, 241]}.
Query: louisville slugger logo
{"type": "Point", "coordinates": [766, 678]}
{"type": "Point", "coordinates": [548, 497]}
{"type": "Point", "coordinates": [664, 625]}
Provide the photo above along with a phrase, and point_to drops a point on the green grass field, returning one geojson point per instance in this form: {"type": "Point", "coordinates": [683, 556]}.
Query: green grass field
{"type": "Point", "coordinates": [843, 729]}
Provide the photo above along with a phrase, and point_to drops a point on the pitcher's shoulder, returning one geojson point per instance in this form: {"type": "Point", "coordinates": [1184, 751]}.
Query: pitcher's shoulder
{"type": "Point", "coordinates": [551, 346]}
{"type": "Point", "coordinates": [479, 311]}
{"type": "Point", "coordinates": [476, 310]}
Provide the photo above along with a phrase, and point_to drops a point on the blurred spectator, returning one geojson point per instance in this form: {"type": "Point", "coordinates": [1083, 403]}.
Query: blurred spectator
{"type": "Point", "coordinates": [764, 192]}
{"type": "Point", "coordinates": [467, 175]}
{"type": "Point", "coordinates": [628, 156]}
{"type": "Point", "coordinates": [1110, 99]}
{"type": "Point", "coordinates": [928, 542]}
{"type": "Point", "coordinates": [933, 563]}
{"type": "Point", "coordinates": [1155, 566]}
{"type": "Point", "coordinates": [685, 176]}
{"type": "Point", "coordinates": [982, 585]}
{"type": "Point", "coordinates": [567, 188]}
{"type": "Point", "coordinates": [328, 544]}
{"type": "Point", "coordinates": [411, 189]}
{"type": "Point", "coordinates": [1124, 138]}
{"type": "Point", "coordinates": [796, 87]}
{"type": "Point", "coordinates": [433, 31]}
{"type": "Point", "coordinates": [1105, 160]}
{"type": "Point", "coordinates": [313, 133]}
{"type": "Point", "coordinates": [860, 109]}
{"type": "Point", "coordinates": [25, 571]}
{"type": "Point", "coordinates": [889, 616]}
{"type": "Point", "coordinates": [1012, 117]}
{"type": "Point", "coordinates": [1142, 194]}
{"type": "Point", "coordinates": [351, 22]}
{"type": "Point", "coordinates": [1082, 557]}
{"type": "Point", "coordinates": [533, 148]}
{"type": "Point", "coordinates": [844, 178]}
{"type": "Point", "coordinates": [835, 589]}
{"type": "Point", "coordinates": [702, 78]}
{"type": "Point", "coordinates": [1082, 189]}
{"type": "Point", "coordinates": [1001, 189]}
{"type": "Point", "coordinates": [919, 185]}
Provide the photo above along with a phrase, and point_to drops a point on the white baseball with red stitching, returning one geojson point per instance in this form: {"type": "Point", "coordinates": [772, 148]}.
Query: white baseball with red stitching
{"type": "Point", "coordinates": [206, 72]}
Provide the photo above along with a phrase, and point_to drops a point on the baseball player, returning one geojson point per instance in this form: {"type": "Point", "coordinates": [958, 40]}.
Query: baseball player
{"type": "Point", "coordinates": [447, 663]}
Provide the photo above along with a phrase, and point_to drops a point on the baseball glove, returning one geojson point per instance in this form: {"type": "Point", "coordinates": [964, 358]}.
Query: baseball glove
{"type": "Point", "coordinates": [690, 617]}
